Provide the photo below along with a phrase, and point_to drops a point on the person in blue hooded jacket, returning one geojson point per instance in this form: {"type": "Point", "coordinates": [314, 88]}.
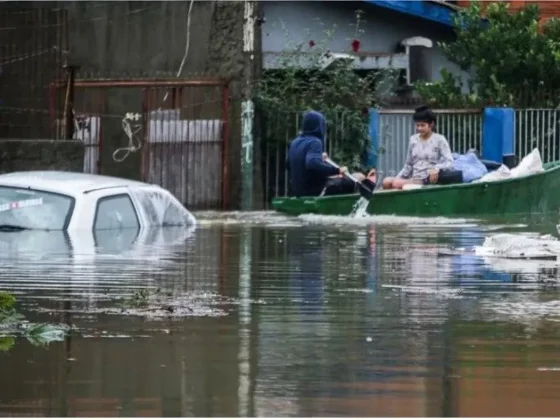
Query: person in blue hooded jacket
{"type": "Point", "coordinates": [306, 164]}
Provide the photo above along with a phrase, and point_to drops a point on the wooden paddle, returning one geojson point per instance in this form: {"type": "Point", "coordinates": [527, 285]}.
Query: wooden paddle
{"type": "Point", "coordinates": [364, 191]}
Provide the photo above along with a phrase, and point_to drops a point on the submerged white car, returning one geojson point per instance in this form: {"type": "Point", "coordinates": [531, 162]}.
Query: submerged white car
{"type": "Point", "coordinates": [57, 200]}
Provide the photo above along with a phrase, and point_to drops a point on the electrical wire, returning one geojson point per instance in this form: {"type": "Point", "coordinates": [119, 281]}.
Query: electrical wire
{"type": "Point", "coordinates": [132, 131]}
{"type": "Point", "coordinates": [187, 46]}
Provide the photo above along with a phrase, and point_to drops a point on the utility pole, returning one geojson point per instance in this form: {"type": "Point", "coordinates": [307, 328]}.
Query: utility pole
{"type": "Point", "coordinates": [248, 107]}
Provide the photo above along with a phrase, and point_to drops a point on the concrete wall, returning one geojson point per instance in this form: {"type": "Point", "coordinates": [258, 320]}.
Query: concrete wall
{"type": "Point", "coordinates": [129, 39]}
{"type": "Point", "coordinates": [150, 37]}
{"type": "Point", "coordinates": [117, 39]}
{"type": "Point", "coordinates": [383, 29]}
{"type": "Point", "coordinates": [28, 155]}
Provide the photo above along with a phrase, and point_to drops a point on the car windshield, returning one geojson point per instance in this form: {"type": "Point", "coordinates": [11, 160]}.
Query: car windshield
{"type": "Point", "coordinates": [33, 209]}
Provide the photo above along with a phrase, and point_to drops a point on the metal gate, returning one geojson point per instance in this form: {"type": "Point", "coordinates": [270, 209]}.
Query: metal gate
{"type": "Point", "coordinates": [173, 133]}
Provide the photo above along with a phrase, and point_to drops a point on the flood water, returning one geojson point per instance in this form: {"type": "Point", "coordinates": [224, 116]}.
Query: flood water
{"type": "Point", "coordinates": [275, 316]}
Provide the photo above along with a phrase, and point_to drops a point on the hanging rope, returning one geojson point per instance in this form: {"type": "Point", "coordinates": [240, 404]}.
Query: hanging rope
{"type": "Point", "coordinates": [132, 132]}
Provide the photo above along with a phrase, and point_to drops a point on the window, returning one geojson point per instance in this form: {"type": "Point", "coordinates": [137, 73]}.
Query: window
{"type": "Point", "coordinates": [161, 210]}
{"type": "Point", "coordinates": [34, 209]}
{"type": "Point", "coordinates": [116, 212]}
{"type": "Point", "coordinates": [175, 216]}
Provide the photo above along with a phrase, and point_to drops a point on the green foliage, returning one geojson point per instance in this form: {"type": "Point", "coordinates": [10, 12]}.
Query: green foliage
{"type": "Point", "coordinates": [142, 298]}
{"type": "Point", "coordinates": [7, 301]}
{"type": "Point", "coordinates": [507, 56]}
{"type": "Point", "coordinates": [41, 335]}
{"type": "Point", "coordinates": [6, 343]}
{"type": "Point", "coordinates": [13, 323]}
{"type": "Point", "coordinates": [8, 314]}
{"type": "Point", "coordinates": [306, 82]}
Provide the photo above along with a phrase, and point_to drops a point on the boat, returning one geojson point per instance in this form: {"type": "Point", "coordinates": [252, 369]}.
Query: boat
{"type": "Point", "coordinates": [533, 197]}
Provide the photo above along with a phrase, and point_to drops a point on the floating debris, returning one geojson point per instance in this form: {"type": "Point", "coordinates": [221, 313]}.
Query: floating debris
{"type": "Point", "coordinates": [13, 324]}
{"type": "Point", "coordinates": [507, 245]}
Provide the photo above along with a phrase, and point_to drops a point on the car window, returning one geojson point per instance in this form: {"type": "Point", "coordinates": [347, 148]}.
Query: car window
{"type": "Point", "coordinates": [161, 210]}
{"type": "Point", "coordinates": [115, 212]}
{"type": "Point", "coordinates": [175, 216]}
{"type": "Point", "coordinates": [34, 209]}
{"type": "Point", "coordinates": [150, 211]}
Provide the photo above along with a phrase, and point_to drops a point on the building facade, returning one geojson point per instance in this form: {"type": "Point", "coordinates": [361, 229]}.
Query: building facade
{"type": "Point", "coordinates": [396, 35]}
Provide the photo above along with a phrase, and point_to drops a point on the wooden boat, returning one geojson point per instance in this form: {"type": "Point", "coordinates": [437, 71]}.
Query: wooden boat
{"type": "Point", "coordinates": [529, 197]}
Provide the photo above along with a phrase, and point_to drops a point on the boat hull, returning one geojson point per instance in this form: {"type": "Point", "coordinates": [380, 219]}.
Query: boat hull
{"type": "Point", "coordinates": [529, 197]}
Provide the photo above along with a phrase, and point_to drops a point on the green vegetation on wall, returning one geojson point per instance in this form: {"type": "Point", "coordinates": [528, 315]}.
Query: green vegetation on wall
{"type": "Point", "coordinates": [306, 82]}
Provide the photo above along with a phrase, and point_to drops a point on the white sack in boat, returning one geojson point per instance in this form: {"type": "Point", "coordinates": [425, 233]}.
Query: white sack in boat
{"type": "Point", "coordinates": [529, 165]}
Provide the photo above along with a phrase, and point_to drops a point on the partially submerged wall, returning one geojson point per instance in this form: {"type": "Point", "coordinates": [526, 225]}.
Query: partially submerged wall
{"type": "Point", "coordinates": [148, 39]}
{"type": "Point", "coordinates": [31, 155]}
{"type": "Point", "coordinates": [129, 39]}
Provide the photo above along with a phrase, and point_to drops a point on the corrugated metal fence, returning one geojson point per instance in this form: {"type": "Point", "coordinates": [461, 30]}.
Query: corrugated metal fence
{"type": "Point", "coordinates": [180, 140]}
{"type": "Point", "coordinates": [462, 128]}
{"type": "Point", "coordinates": [538, 128]}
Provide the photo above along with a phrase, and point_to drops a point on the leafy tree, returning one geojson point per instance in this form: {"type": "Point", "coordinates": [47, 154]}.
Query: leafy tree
{"type": "Point", "coordinates": [304, 81]}
{"type": "Point", "coordinates": [506, 53]}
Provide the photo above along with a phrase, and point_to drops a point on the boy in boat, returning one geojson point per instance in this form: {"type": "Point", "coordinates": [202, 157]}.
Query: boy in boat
{"type": "Point", "coordinates": [429, 159]}
{"type": "Point", "coordinates": [306, 164]}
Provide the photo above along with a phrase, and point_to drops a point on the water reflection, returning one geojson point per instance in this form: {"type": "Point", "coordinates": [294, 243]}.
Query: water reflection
{"type": "Point", "coordinates": [317, 321]}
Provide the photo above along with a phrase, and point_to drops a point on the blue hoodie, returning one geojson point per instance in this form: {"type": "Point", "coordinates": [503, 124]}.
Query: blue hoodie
{"type": "Point", "coordinates": [308, 173]}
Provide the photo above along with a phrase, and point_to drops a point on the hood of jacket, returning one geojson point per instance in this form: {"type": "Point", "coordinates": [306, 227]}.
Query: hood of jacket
{"type": "Point", "coordinates": [315, 125]}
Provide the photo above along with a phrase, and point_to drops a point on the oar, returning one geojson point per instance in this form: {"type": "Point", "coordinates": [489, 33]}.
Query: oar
{"type": "Point", "coordinates": [364, 191]}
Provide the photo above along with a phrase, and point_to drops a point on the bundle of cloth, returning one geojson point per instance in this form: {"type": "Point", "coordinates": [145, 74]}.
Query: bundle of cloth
{"type": "Point", "coordinates": [470, 165]}
{"type": "Point", "coordinates": [476, 170]}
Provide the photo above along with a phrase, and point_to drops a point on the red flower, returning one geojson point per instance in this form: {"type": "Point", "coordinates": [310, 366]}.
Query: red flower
{"type": "Point", "coordinates": [311, 44]}
{"type": "Point", "coordinates": [355, 45]}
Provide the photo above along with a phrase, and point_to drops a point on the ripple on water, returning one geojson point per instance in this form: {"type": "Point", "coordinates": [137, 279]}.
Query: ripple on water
{"type": "Point", "coordinates": [326, 321]}
{"type": "Point", "coordinates": [275, 219]}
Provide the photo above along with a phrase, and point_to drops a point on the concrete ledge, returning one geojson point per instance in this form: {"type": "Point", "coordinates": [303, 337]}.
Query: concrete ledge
{"type": "Point", "coordinates": [29, 155]}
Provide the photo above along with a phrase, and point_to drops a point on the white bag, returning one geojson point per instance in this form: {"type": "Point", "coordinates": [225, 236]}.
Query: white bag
{"type": "Point", "coordinates": [502, 172]}
{"type": "Point", "coordinates": [531, 164]}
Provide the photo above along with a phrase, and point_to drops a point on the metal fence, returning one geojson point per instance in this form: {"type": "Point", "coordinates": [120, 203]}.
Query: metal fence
{"type": "Point", "coordinates": [278, 130]}
{"type": "Point", "coordinates": [538, 128]}
{"type": "Point", "coordinates": [32, 52]}
{"type": "Point", "coordinates": [462, 128]}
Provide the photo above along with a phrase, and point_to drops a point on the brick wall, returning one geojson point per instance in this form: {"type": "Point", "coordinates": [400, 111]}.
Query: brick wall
{"type": "Point", "coordinates": [549, 8]}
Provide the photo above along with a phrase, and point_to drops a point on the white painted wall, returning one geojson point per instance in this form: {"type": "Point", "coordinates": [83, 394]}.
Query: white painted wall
{"type": "Point", "coordinates": [383, 29]}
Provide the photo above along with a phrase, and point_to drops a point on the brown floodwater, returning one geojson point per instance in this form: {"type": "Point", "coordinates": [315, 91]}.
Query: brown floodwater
{"type": "Point", "coordinates": [260, 315]}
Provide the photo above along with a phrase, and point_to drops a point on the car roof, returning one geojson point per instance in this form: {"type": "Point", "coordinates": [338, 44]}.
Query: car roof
{"type": "Point", "coordinates": [63, 182]}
